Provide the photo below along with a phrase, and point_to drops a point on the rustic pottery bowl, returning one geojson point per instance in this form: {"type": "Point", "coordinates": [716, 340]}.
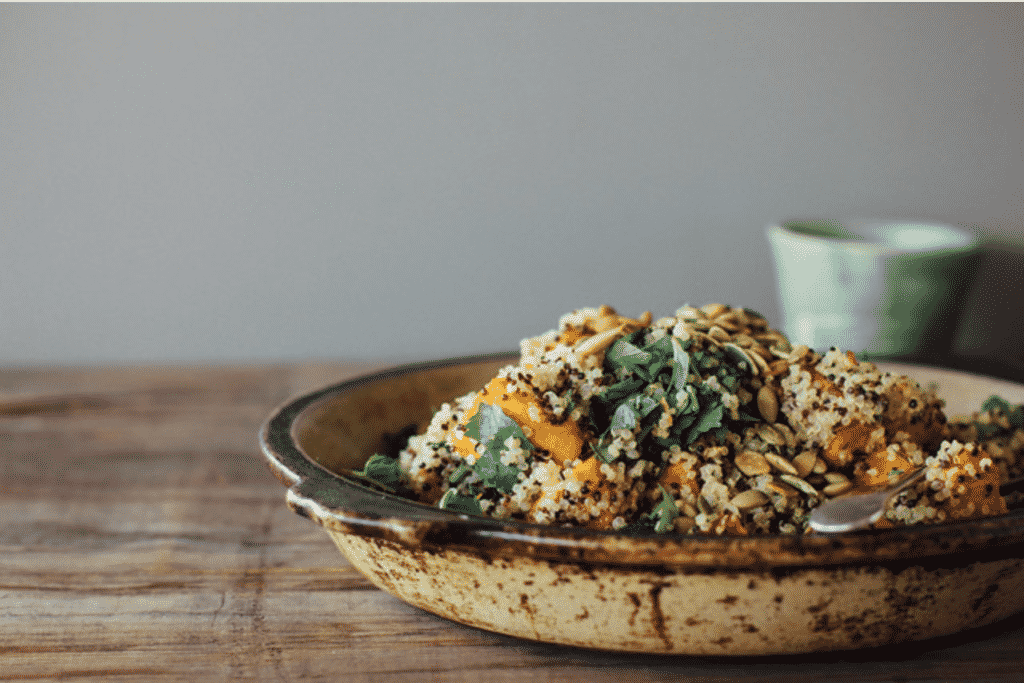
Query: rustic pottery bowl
{"type": "Point", "coordinates": [660, 594]}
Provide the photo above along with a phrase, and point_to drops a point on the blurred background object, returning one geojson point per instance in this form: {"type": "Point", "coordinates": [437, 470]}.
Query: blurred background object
{"type": "Point", "coordinates": [887, 288]}
{"type": "Point", "coordinates": [190, 182]}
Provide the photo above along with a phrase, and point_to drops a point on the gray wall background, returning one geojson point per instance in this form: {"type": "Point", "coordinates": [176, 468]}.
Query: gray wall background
{"type": "Point", "coordinates": [403, 181]}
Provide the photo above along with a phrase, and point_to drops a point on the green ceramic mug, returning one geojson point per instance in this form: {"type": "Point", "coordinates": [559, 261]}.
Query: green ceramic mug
{"type": "Point", "coordinates": [881, 288]}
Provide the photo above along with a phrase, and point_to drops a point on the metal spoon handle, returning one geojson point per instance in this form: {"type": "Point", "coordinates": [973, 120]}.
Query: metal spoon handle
{"type": "Point", "coordinates": [857, 511]}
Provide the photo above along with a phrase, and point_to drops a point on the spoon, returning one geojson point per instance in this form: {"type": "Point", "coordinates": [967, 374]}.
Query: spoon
{"type": "Point", "coordinates": [859, 511]}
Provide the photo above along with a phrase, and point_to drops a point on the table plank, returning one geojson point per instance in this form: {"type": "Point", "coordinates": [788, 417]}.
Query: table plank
{"type": "Point", "coordinates": [143, 539]}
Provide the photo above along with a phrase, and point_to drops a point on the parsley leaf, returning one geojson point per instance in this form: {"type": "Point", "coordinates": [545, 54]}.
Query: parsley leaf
{"type": "Point", "coordinates": [680, 367]}
{"type": "Point", "coordinates": [620, 390]}
{"type": "Point", "coordinates": [486, 422]}
{"type": "Point", "coordinates": [624, 354]}
{"type": "Point", "coordinates": [625, 417]}
{"type": "Point", "coordinates": [710, 418]}
{"type": "Point", "coordinates": [456, 502]}
{"type": "Point", "coordinates": [491, 427]}
{"type": "Point", "coordinates": [383, 471]}
{"type": "Point", "coordinates": [664, 513]}
{"type": "Point", "coordinates": [661, 519]}
{"type": "Point", "coordinates": [1015, 414]}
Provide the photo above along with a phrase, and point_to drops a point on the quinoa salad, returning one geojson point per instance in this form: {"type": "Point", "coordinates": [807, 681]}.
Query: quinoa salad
{"type": "Point", "coordinates": [704, 422]}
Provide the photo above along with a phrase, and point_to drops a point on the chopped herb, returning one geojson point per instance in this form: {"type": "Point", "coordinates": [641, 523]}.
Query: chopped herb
{"type": "Point", "coordinates": [625, 417]}
{"type": "Point", "coordinates": [486, 422]}
{"type": "Point", "coordinates": [491, 427]}
{"type": "Point", "coordinates": [624, 354]}
{"type": "Point", "coordinates": [456, 502]}
{"type": "Point", "coordinates": [459, 473]}
{"type": "Point", "coordinates": [382, 471]}
{"type": "Point", "coordinates": [661, 519]}
{"type": "Point", "coordinates": [1014, 414]}
{"type": "Point", "coordinates": [710, 418]}
{"type": "Point", "coordinates": [620, 390]}
{"type": "Point", "coordinates": [680, 365]}
{"type": "Point", "coordinates": [664, 513]}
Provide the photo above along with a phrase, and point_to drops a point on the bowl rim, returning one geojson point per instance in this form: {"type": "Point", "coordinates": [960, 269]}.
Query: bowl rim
{"type": "Point", "coordinates": [342, 504]}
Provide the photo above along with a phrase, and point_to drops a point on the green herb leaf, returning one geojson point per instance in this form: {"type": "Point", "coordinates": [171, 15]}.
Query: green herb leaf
{"type": "Point", "coordinates": [624, 354]}
{"type": "Point", "coordinates": [459, 473]}
{"type": "Point", "coordinates": [680, 365]}
{"type": "Point", "coordinates": [456, 502]}
{"type": "Point", "coordinates": [620, 390]}
{"type": "Point", "coordinates": [710, 418]}
{"type": "Point", "coordinates": [384, 471]}
{"type": "Point", "coordinates": [643, 404]}
{"type": "Point", "coordinates": [486, 422]}
{"type": "Point", "coordinates": [625, 417]}
{"type": "Point", "coordinates": [664, 513]}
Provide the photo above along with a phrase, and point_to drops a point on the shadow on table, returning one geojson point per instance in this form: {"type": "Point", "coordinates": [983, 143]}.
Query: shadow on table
{"type": "Point", "coordinates": [977, 645]}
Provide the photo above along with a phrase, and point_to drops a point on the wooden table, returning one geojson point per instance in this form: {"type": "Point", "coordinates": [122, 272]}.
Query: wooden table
{"type": "Point", "coordinates": [143, 538]}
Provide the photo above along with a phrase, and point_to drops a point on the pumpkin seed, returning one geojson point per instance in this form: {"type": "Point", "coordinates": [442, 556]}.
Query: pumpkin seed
{"type": "Point", "coordinates": [743, 340]}
{"type": "Point", "coordinates": [787, 434]}
{"type": "Point", "coordinates": [751, 498]}
{"type": "Point", "coordinates": [783, 489]}
{"type": "Point", "coordinates": [752, 463]}
{"type": "Point", "coordinates": [690, 313]}
{"type": "Point", "coordinates": [835, 477]}
{"type": "Point", "coordinates": [714, 310]}
{"type": "Point", "coordinates": [799, 483]}
{"type": "Point", "coordinates": [759, 362]}
{"type": "Point", "coordinates": [780, 463]}
{"type": "Point", "coordinates": [820, 467]}
{"type": "Point", "coordinates": [838, 488]}
{"type": "Point", "coordinates": [716, 332]}
{"type": "Point", "coordinates": [767, 403]}
{"type": "Point", "coordinates": [804, 463]}
{"type": "Point", "coordinates": [769, 435]}
{"type": "Point", "coordinates": [798, 353]}
{"type": "Point", "coordinates": [598, 342]}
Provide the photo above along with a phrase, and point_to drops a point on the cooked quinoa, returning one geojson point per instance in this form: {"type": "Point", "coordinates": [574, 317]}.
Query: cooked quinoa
{"type": "Point", "coordinates": [705, 422]}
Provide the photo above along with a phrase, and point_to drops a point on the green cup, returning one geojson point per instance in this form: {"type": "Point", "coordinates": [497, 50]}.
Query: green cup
{"type": "Point", "coordinates": [880, 288]}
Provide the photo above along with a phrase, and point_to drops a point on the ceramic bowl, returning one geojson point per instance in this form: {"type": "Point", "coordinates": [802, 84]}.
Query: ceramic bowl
{"type": "Point", "coordinates": [601, 589]}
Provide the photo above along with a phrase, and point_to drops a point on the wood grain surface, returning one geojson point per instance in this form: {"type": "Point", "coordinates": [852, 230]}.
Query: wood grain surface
{"type": "Point", "coordinates": [143, 539]}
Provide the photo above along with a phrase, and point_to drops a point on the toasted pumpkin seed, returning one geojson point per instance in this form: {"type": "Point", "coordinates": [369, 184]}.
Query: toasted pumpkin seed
{"type": "Point", "coordinates": [714, 310]}
{"type": "Point", "coordinates": [780, 463]}
{"type": "Point", "coordinates": [598, 342]}
{"type": "Point", "coordinates": [751, 498]}
{"type": "Point", "coordinates": [838, 488]}
{"type": "Point", "coordinates": [783, 489]}
{"type": "Point", "coordinates": [804, 463]}
{"type": "Point", "coordinates": [690, 313]}
{"type": "Point", "coordinates": [767, 403]}
{"type": "Point", "coordinates": [835, 477]}
{"type": "Point", "coordinates": [752, 463]}
{"type": "Point", "coordinates": [799, 483]}
{"type": "Point", "coordinates": [798, 353]}
{"type": "Point", "coordinates": [759, 362]}
{"type": "Point", "coordinates": [787, 434]}
{"type": "Point", "coordinates": [769, 435]}
{"type": "Point", "coordinates": [716, 332]}
{"type": "Point", "coordinates": [820, 467]}
{"type": "Point", "coordinates": [743, 340]}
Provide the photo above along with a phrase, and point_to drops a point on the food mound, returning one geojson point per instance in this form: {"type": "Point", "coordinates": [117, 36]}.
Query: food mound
{"type": "Point", "coordinates": [705, 422]}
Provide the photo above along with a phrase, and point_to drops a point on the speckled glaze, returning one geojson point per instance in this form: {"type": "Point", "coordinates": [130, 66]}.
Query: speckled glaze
{"type": "Point", "coordinates": [660, 594]}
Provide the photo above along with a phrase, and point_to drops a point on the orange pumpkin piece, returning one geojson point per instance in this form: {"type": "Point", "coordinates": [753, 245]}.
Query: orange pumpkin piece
{"type": "Point", "coordinates": [676, 476]}
{"type": "Point", "coordinates": [563, 441]}
{"type": "Point", "coordinates": [884, 466]}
